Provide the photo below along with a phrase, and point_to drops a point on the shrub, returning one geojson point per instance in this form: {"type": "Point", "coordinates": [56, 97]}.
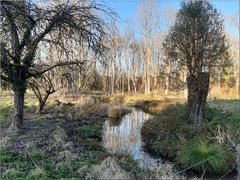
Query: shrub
{"type": "Point", "coordinates": [201, 150]}
{"type": "Point", "coordinates": [100, 110]}
{"type": "Point", "coordinates": [114, 121]}
{"type": "Point", "coordinates": [116, 112]}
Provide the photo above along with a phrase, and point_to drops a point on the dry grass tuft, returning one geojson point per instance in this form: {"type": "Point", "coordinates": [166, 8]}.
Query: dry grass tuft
{"type": "Point", "coordinates": [108, 169]}
{"type": "Point", "coordinates": [59, 136]}
{"type": "Point", "coordinates": [165, 171]}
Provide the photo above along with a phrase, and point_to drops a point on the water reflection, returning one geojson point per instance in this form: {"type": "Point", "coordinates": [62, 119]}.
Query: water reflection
{"type": "Point", "coordinates": [125, 137]}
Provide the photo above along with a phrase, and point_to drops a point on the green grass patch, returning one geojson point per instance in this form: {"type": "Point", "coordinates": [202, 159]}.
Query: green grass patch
{"type": "Point", "coordinates": [168, 133]}
{"type": "Point", "coordinates": [6, 108]}
{"type": "Point", "coordinates": [203, 151]}
{"type": "Point", "coordinates": [91, 135]}
{"type": "Point", "coordinates": [89, 132]}
{"type": "Point", "coordinates": [20, 166]}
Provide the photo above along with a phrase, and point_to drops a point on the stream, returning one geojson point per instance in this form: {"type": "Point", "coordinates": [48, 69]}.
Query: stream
{"type": "Point", "coordinates": [124, 137]}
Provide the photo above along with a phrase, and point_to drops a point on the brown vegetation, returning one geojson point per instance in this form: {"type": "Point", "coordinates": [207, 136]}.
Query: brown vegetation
{"type": "Point", "coordinates": [116, 112]}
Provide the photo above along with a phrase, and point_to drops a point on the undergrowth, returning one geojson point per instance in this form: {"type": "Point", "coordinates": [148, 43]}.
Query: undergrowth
{"type": "Point", "coordinates": [168, 134]}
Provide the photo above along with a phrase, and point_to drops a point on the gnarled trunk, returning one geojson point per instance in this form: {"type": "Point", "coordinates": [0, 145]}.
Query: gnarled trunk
{"type": "Point", "coordinates": [42, 102]}
{"type": "Point", "coordinates": [19, 86]}
{"type": "Point", "coordinates": [17, 120]}
{"type": "Point", "coordinates": [197, 96]}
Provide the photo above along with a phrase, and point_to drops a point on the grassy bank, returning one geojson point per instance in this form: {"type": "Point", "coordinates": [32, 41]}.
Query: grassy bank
{"type": "Point", "coordinates": [53, 146]}
{"type": "Point", "coordinates": [171, 136]}
{"type": "Point", "coordinates": [65, 142]}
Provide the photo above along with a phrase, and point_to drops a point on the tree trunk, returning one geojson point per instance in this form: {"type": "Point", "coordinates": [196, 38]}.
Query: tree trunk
{"type": "Point", "coordinates": [184, 75]}
{"type": "Point", "coordinates": [219, 83]}
{"type": "Point", "coordinates": [155, 82]}
{"type": "Point", "coordinates": [134, 84]}
{"type": "Point", "coordinates": [42, 101]}
{"type": "Point", "coordinates": [17, 120]}
{"type": "Point", "coordinates": [128, 82]}
{"type": "Point", "coordinates": [167, 78]}
{"type": "Point", "coordinates": [238, 81]}
{"type": "Point", "coordinates": [148, 72]}
{"type": "Point", "coordinates": [166, 86]}
{"type": "Point", "coordinates": [197, 96]}
{"type": "Point", "coordinates": [123, 83]}
{"type": "Point", "coordinates": [40, 108]}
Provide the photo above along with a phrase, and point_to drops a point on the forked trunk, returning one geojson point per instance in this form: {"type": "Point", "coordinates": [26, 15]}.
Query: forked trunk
{"type": "Point", "coordinates": [197, 96]}
{"type": "Point", "coordinates": [40, 108]}
{"type": "Point", "coordinates": [17, 120]}
{"type": "Point", "coordinates": [42, 102]}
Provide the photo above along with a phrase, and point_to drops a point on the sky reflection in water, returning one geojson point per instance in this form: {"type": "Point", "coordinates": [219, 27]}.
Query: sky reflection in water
{"type": "Point", "coordinates": [124, 137]}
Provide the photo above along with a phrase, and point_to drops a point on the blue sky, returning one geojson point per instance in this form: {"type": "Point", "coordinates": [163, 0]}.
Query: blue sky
{"type": "Point", "coordinates": [127, 10]}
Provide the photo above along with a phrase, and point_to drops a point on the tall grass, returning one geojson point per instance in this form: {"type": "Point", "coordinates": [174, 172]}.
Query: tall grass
{"type": "Point", "coordinates": [213, 157]}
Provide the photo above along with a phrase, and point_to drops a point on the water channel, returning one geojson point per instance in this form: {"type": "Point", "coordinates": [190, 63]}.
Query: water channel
{"type": "Point", "coordinates": [124, 137]}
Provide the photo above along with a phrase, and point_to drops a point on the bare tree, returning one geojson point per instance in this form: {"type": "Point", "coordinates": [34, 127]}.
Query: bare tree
{"type": "Point", "coordinates": [235, 53]}
{"type": "Point", "coordinates": [25, 24]}
{"type": "Point", "coordinates": [234, 50]}
{"type": "Point", "coordinates": [42, 87]}
{"type": "Point", "coordinates": [134, 64]}
{"type": "Point", "coordinates": [149, 23]}
{"type": "Point", "coordinates": [168, 20]}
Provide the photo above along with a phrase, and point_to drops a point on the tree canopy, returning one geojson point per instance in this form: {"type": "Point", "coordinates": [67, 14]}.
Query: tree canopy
{"type": "Point", "coordinates": [62, 24]}
{"type": "Point", "coordinates": [197, 39]}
